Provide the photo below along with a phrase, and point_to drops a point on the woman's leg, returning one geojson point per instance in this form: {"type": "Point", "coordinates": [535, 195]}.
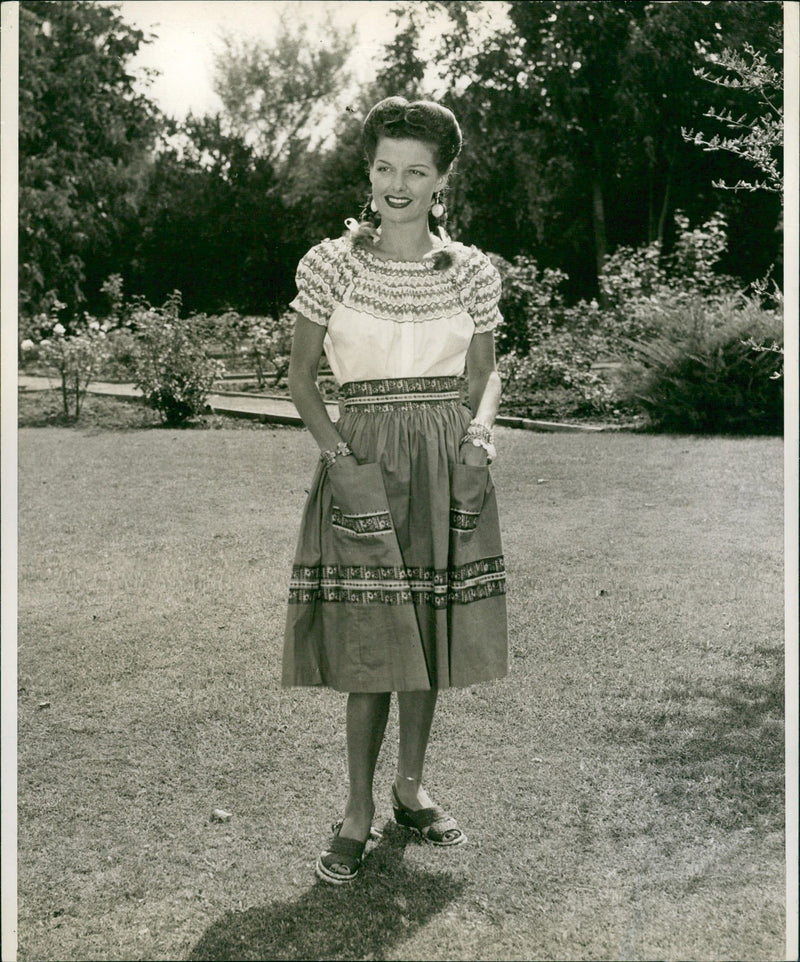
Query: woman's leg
{"type": "Point", "coordinates": [366, 723]}
{"type": "Point", "coordinates": [416, 716]}
{"type": "Point", "coordinates": [416, 709]}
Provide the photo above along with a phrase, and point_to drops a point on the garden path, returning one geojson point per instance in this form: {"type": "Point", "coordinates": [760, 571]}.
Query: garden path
{"type": "Point", "coordinates": [276, 410]}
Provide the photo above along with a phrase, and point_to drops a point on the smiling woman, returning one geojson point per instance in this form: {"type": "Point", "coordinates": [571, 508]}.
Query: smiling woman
{"type": "Point", "coordinates": [398, 583]}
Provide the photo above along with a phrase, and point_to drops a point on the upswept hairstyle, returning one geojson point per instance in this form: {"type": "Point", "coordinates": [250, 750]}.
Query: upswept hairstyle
{"type": "Point", "coordinates": [421, 120]}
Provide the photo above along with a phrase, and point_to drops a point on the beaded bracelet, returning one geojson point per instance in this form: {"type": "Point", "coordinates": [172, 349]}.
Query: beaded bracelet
{"type": "Point", "coordinates": [477, 429]}
{"type": "Point", "coordinates": [328, 458]}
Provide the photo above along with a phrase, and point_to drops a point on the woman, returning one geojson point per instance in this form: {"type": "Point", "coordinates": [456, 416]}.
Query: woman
{"type": "Point", "coordinates": [398, 583]}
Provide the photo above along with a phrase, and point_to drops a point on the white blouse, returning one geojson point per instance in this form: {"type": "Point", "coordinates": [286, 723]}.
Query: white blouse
{"type": "Point", "coordinates": [395, 319]}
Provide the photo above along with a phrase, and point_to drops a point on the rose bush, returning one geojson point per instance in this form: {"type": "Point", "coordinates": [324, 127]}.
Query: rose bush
{"type": "Point", "coordinates": [170, 364]}
{"type": "Point", "coordinates": [271, 344]}
{"type": "Point", "coordinates": [75, 358]}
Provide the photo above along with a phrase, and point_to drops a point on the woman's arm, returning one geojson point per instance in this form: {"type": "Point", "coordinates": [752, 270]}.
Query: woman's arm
{"type": "Point", "coordinates": [303, 364]}
{"type": "Point", "coordinates": [484, 391]}
{"type": "Point", "coordinates": [484, 381]}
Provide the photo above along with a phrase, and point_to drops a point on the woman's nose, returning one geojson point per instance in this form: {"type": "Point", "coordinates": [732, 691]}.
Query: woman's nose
{"type": "Point", "coordinates": [398, 181]}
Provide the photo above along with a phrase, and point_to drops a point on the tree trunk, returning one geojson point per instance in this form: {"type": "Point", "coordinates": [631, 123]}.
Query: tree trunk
{"type": "Point", "coordinates": [665, 205]}
{"type": "Point", "coordinates": [599, 228]}
{"type": "Point", "coordinates": [651, 173]}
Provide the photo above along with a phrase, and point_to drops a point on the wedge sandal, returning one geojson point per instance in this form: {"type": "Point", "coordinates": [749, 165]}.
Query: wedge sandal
{"type": "Point", "coordinates": [344, 852]}
{"type": "Point", "coordinates": [432, 824]}
{"type": "Point", "coordinates": [347, 853]}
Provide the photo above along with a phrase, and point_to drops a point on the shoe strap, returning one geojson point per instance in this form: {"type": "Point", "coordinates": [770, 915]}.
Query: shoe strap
{"type": "Point", "coordinates": [426, 817]}
{"type": "Point", "coordinates": [351, 847]}
{"type": "Point", "coordinates": [423, 818]}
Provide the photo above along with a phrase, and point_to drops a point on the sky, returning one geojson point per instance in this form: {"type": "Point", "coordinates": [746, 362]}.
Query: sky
{"type": "Point", "coordinates": [189, 32]}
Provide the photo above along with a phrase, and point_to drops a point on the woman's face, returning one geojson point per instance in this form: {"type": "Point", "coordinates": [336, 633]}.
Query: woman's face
{"type": "Point", "coordinates": [404, 178]}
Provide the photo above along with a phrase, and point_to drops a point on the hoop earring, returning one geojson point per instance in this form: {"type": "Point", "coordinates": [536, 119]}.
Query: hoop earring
{"type": "Point", "coordinates": [438, 209]}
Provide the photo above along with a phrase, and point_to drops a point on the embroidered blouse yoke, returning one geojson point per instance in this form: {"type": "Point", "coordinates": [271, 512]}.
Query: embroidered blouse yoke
{"type": "Point", "coordinates": [396, 319]}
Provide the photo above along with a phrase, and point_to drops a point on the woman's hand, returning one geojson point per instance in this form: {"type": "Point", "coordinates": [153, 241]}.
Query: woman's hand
{"type": "Point", "coordinates": [472, 454]}
{"type": "Point", "coordinates": [343, 467]}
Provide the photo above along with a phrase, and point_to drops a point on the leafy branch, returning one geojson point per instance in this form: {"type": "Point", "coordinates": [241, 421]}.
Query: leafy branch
{"type": "Point", "coordinates": [757, 140]}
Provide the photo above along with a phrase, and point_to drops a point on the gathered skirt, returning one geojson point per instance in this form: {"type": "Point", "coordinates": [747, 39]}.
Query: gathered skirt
{"type": "Point", "coordinates": [398, 582]}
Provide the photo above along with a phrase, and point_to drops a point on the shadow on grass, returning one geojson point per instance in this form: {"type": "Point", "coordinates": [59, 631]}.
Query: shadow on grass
{"type": "Point", "coordinates": [387, 903]}
{"type": "Point", "coordinates": [719, 748]}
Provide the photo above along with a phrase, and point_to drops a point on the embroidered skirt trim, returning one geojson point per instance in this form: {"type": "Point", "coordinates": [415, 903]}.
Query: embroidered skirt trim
{"type": "Point", "coordinates": [464, 520]}
{"type": "Point", "coordinates": [389, 394]}
{"type": "Point", "coordinates": [375, 522]}
{"type": "Point", "coordinates": [387, 585]}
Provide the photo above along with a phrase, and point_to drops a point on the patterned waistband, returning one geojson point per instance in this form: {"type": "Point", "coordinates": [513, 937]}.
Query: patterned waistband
{"type": "Point", "coordinates": [390, 394]}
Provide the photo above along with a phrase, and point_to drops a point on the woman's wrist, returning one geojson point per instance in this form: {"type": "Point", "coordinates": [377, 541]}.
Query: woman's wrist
{"type": "Point", "coordinates": [478, 428]}
{"type": "Point", "coordinates": [480, 435]}
{"type": "Point", "coordinates": [329, 457]}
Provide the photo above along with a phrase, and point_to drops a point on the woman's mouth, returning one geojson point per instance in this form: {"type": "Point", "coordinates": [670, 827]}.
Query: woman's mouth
{"type": "Point", "coordinates": [396, 202]}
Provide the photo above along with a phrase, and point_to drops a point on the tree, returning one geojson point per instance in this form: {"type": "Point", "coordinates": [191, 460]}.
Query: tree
{"type": "Point", "coordinates": [85, 133]}
{"type": "Point", "coordinates": [229, 207]}
{"type": "Point", "coordinates": [216, 223]}
{"type": "Point", "coordinates": [402, 70]}
{"type": "Point", "coordinates": [276, 95]}
{"type": "Point", "coordinates": [572, 117]}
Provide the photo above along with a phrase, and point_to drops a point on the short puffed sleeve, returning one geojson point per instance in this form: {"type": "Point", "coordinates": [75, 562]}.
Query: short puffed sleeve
{"type": "Point", "coordinates": [319, 282]}
{"type": "Point", "coordinates": [481, 287]}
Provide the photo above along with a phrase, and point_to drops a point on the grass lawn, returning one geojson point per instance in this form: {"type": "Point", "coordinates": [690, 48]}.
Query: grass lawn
{"type": "Point", "coordinates": [621, 790]}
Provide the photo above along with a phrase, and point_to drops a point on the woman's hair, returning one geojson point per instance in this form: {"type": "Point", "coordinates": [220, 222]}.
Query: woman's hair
{"type": "Point", "coordinates": [421, 120]}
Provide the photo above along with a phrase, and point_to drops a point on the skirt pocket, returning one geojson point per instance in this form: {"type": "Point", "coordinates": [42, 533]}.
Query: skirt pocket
{"type": "Point", "coordinates": [360, 507]}
{"type": "Point", "coordinates": [469, 486]}
{"type": "Point", "coordinates": [361, 524]}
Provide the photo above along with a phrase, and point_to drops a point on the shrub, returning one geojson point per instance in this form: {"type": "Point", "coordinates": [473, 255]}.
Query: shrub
{"type": "Point", "coordinates": [529, 302]}
{"type": "Point", "coordinates": [230, 329]}
{"type": "Point", "coordinates": [696, 254]}
{"type": "Point", "coordinates": [716, 379]}
{"type": "Point", "coordinates": [650, 293]}
{"type": "Point", "coordinates": [631, 273]}
{"type": "Point", "coordinates": [661, 308]}
{"type": "Point", "coordinates": [555, 378]}
{"type": "Point", "coordinates": [272, 345]}
{"type": "Point", "coordinates": [121, 359]}
{"type": "Point", "coordinates": [75, 358]}
{"type": "Point", "coordinates": [263, 341]}
{"type": "Point", "coordinates": [171, 367]}
{"type": "Point", "coordinates": [639, 283]}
